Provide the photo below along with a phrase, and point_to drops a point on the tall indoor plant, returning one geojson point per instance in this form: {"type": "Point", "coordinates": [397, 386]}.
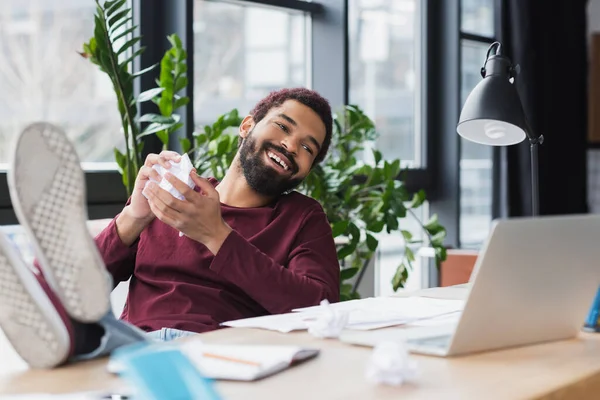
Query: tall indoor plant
{"type": "Point", "coordinates": [113, 47]}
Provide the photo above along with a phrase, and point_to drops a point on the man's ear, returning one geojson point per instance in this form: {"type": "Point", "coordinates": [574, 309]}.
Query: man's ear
{"type": "Point", "coordinates": [246, 126]}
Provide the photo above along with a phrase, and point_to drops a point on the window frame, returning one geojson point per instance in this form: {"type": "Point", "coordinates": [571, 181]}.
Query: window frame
{"type": "Point", "coordinates": [329, 73]}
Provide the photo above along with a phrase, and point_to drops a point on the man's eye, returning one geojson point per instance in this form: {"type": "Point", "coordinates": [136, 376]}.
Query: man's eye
{"type": "Point", "coordinates": [282, 127]}
{"type": "Point", "coordinates": [307, 148]}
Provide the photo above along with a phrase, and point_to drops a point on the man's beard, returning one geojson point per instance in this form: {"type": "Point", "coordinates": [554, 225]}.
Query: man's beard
{"type": "Point", "coordinates": [262, 178]}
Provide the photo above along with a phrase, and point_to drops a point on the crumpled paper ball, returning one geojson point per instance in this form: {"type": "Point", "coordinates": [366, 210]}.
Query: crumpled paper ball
{"type": "Point", "coordinates": [181, 170]}
{"type": "Point", "coordinates": [390, 364]}
{"type": "Point", "coordinates": [329, 323]}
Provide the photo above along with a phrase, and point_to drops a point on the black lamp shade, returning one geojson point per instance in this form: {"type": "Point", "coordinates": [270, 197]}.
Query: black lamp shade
{"type": "Point", "coordinates": [493, 114]}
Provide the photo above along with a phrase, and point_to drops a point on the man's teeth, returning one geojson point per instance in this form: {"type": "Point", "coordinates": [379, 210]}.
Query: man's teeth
{"type": "Point", "coordinates": [279, 160]}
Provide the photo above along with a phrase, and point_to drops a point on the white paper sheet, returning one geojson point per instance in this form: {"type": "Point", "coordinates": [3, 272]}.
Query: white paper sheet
{"type": "Point", "coordinates": [364, 314]}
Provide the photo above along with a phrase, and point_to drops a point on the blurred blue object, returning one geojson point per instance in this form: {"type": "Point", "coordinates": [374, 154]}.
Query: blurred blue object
{"type": "Point", "coordinates": [592, 321]}
{"type": "Point", "coordinates": [163, 372]}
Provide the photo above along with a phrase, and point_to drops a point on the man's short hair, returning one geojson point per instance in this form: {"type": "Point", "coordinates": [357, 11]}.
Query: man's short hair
{"type": "Point", "coordinates": [309, 98]}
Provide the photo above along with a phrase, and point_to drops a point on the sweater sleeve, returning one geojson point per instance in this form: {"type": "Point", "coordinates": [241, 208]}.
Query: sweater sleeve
{"type": "Point", "coordinates": [119, 258]}
{"type": "Point", "coordinates": [311, 274]}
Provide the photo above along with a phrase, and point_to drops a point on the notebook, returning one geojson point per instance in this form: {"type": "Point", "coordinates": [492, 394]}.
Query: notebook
{"type": "Point", "coordinates": [230, 362]}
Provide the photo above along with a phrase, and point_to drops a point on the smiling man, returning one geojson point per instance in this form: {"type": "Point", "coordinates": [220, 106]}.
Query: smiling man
{"type": "Point", "coordinates": [252, 246]}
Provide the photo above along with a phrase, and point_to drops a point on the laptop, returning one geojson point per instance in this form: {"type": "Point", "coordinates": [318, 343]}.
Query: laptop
{"type": "Point", "coordinates": [534, 281]}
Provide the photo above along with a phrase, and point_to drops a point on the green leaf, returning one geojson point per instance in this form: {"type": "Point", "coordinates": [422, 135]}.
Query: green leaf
{"type": "Point", "coordinates": [143, 71]}
{"type": "Point", "coordinates": [223, 146]}
{"type": "Point", "coordinates": [175, 40]}
{"type": "Point", "coordinates": [153, 128]}
{"type": "Point", "coordinates": [377, 155]}
{"type": "Point", "coordinates": [348, 273]}
{"type": "Point", "coordinates": [406, 234]}
{"type": "Point", "coordinates": [114, 28]}
{"type": "Point", "coordinates": [438, 238]}
{"type": "Point", "coordinates": [186, 144]}
{"type": "Point", "coordinates": [339, 228]}
{"type": "Point", "coordinates": [418, 199]}
{"type": "Point", "coordinates": [345, 251]}
{"type": "Point", "coordinates": [346, 288]}
{"type": "Point", "coordinates": [391, 221]}
{"type": "Point", "coordinates": [124, 33]}
{"type": "Point", "coordinates": [149, 94]}
{"type": "Point", "coordinates": [129, 44]}
{"type": "Point", "coordinates": [409, 254]}
{"type": "Point", "coordinates": [376, 225]}
{"type": "Point", "coordinates": [120, 159]}
{"type": "Point", "coordinates": [181, 83]}
{"type": "Point", "coordinates": [163, 136]}
{"type": "Point", "coordinates": [432, 225]}
{"type": "Point", "coordinates": [118, 17]}
{"type": "Point", "coordinates": [440, 254]}
{"type": "Point", "coordinates": [181, 102]}
{"type": "Point", "coordinates": [160, 118]}
{"type": "Point", "coordinates": [400, 277]}
{"type": "Point", "coordinates": [112, 6]}
{"type": "Point", "coordinates": [372, 243]}
{"type": "Point", "coordinates": [200, 139]}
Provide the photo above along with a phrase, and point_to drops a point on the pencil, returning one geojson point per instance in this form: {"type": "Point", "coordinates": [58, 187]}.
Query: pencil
{"type": "Point", "coordinates": [232, 359]}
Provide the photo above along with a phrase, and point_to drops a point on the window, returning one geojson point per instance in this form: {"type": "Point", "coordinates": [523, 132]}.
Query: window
{"type": "Point", "coordinates": [43, 78]}
{"type": "Point", "coordinates": [242, 52]}
{"type": "Point", "coordinates": [384, 73]}
{"type": "Point", "coordinates": [475, 160]}
{"type": "Point", "coordinates": [477, 17]}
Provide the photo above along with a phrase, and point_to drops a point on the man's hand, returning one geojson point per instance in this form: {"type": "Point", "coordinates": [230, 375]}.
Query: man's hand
{"type": "Point", "coordinates": [137, 215]}
{"type": "Point", "coordinates": [198, 216]}
{"type": "Point", "coordinates": [139, 207]}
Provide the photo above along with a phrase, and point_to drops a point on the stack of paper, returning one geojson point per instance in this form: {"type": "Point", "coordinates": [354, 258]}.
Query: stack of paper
{"type": "Point", "coordinates": [364, 314]}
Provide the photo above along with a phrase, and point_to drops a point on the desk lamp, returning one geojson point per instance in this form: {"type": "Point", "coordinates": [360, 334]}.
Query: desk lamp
{"type": "Point", "coordinates": [493, 114]}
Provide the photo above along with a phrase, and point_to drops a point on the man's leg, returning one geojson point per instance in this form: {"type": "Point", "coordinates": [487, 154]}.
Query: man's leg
{"type": "Point", "coordinates": [67, 297]}
{"type": "Point", "coordinates": [47, 189]}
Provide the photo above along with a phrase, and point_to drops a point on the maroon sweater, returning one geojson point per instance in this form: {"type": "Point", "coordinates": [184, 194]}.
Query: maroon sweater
{"type": "Point", "coordinates": [277, 258]}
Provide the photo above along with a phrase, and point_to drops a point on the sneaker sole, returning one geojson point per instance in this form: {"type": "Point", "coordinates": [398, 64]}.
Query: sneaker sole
{"type": "Point", "coordinates": [27, 316]}
{"type": "Point", "coordinates": [47, 188]}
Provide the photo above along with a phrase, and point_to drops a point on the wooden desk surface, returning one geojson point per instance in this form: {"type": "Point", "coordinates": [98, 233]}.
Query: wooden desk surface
{"type": "Point", "coordinates": [559, 370]}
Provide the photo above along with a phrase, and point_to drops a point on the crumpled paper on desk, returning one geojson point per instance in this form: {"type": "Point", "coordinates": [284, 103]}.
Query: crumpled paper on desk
{"type": "Point", "coordinates": [181, 170]}
{"type": "Point", "coordinates": [329, 323]}
{"type": "Point", "coordinates": [390, 364]}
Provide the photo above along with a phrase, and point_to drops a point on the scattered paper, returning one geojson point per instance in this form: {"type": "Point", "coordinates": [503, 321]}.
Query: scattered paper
{"type": "Point", "coordinates": [365, 314]}
{"type": "Point", "coordinates": [390, 364]}
{"type": "Point", "coordinates": [329, 323]}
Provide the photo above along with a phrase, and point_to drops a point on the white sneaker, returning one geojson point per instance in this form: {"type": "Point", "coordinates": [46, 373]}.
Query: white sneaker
{"type": "Point", "coordinates": [47, 189]}
{"type": "Point", "coordinates": [31, 317]}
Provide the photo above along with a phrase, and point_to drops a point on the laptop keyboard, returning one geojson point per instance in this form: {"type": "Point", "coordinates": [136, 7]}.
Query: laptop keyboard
{"type": "Point", "coordinates": [432, 341]}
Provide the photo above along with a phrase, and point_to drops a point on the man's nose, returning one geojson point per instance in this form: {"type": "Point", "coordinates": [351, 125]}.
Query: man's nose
{"type": "Point", "coordinates": [290, 145]}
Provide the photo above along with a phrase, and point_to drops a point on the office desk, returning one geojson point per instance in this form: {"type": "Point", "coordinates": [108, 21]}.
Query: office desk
{"type": "Point", "coordinates": [559, 370]}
